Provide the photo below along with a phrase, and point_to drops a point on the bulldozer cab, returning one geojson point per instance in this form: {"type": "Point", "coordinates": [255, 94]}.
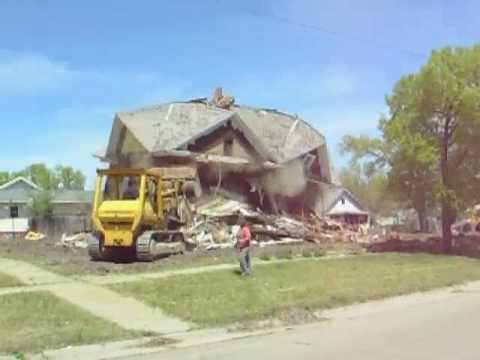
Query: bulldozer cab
{"type": "Point", "coordinates": [128, 187]}
{"type": "Point", "coordinates": [121, 187]}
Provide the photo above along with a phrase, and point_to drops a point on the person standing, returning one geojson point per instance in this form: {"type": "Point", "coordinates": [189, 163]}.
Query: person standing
{"type": "Point", "coordinates": [244, 243]}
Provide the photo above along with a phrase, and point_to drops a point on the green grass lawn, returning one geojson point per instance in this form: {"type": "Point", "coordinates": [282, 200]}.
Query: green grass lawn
{"type": "Point", "coordinates": [36, 321]}
{"type": "Point", "coordinates": [223, 297]}
{"type": "Point", "coordinates": [8, 281]}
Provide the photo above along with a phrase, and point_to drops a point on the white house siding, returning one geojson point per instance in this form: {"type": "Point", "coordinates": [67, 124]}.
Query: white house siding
{"type": "Point", "coordinates": [345, 207]}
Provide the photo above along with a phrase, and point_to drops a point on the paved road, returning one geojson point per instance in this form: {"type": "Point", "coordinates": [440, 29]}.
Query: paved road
{"type": "Point", "coordinates": [444, 325]}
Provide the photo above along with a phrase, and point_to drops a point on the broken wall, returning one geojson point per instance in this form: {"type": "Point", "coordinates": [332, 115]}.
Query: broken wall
{"type": "Point", "coordinates": [288, 181]}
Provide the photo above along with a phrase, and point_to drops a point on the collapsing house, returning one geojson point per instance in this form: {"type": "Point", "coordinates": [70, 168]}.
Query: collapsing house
{"type": "Point", "coordinates": [275, 161]}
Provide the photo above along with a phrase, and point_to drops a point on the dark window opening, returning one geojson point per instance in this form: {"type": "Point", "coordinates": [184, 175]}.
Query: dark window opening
{"type": "Point", "coordinates": [342, 200]}
{"type": "Point", "coordinates": [14, 211]}
{"type": "Point", "coordinates": [228, 147]}
{"type": "Point", "coordinates": [315, 169]}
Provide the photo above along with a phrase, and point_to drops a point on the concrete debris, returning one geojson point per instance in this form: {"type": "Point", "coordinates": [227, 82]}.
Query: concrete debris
{"type": "Point", "coordinates": [214, 226]}
{"type": "Point", "coordinates": [220, 207]}
{"type": "Point", "coordinates": [77, 240]}
{"type": "Point", "coordinates": [285, 241]}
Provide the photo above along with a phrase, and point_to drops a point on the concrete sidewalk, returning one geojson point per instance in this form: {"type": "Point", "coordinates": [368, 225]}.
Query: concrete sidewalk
{"type": "Point", "coordinates": [29, 274]}
{"type": "Point", "coordinates": [126, 312]}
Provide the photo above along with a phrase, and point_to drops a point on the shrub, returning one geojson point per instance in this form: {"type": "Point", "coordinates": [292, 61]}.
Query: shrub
{"type": "Point", "coordinates": [41, 204]}
{"type": "Point", "coordinates": [318, 252]}
{"type": "Point", "coordinates": [284, 253]}
{"type": "Point", "coordinates": [307, 252]}
{"type": "Point", "coordinates": [265, 256]}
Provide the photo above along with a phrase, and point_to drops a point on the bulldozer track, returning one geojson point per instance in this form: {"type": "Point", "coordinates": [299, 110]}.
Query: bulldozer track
{"type": "Point", "coordinates": [94, 249]}
{"type": "Point", "coordinates": [144, 246]}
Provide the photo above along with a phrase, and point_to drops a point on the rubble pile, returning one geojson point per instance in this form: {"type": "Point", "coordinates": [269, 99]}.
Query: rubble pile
{"type": "Point", "coordinates": [215, 226]}
{"type": "Point", "coordinates": [212, 223]}
{"type": "Point", "coordinates": [77, 240]}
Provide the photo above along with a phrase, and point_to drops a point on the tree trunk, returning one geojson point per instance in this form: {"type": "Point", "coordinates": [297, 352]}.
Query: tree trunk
{"type": "Point", "coordinates": [447, 211]}
{"type": "Point", "coordinates": [421, 209]}
{"type": "Point", "coordinates": [422, 220]}
{"type": "Point", "coordinates": [447, 221]}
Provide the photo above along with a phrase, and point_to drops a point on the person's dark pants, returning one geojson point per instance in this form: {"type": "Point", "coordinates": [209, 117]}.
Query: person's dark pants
{"type": "Point", "coordinates": [245, 261]}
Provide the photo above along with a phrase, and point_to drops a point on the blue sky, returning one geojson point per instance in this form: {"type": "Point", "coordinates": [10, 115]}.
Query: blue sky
{"type": "Point", "coordinates": [66, 67]}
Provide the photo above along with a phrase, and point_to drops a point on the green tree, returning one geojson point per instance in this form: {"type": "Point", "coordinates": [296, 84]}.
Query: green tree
{"type": "Point", "coordinates": [4, 177]}
{"type": "Point", "coordinates": [430, 140]}
{"type": "Point", "coordinates": [49, 179]}
{"type": "Point", "coordinates": [41, 203]}
{"type": "Point", "coordinates": [39, 174]}
{"type": "Point", "coordinates": [438, 111]}
{"type": "Point", "coordinates": [70, 178]}
{"type": "Point", "coordinates": [369, 188]}
{"type": "Point", "coordinates": [408, 177]}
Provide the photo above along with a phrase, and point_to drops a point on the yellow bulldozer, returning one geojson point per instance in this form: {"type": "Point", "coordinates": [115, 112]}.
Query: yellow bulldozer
{"type": "Point", "coordinates": [134, 210]}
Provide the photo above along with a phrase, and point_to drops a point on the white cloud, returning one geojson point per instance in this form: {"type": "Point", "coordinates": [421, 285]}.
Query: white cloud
{"type": "Point", "coordinates": [23, 74]}
{"type": "Point", "coordinates": [30, 73]}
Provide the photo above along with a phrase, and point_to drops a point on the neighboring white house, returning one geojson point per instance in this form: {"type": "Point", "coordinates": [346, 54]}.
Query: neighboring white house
{"type": "Point", "coordinates": [340, 204]}
{"type": "Point", "coordinates": [16, 196]}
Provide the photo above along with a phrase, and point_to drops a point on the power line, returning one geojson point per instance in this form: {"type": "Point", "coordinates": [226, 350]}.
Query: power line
{"type": "Point", "coordinates": [333, 33]}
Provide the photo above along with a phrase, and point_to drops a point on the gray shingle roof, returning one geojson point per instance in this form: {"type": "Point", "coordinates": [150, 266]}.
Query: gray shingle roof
{"type": "Point", "coordinates": [14, 195]}
{"type": "Point", "coordinates": [19, 183]}
{"type": "Point", "coordinates": [164, 127]}
{"type": "Point", "coordinates": [283, 135]}
{"type": "Point", "coordinates": [170, 126]}
{"type": "Point", "coordinates": [73, 196]}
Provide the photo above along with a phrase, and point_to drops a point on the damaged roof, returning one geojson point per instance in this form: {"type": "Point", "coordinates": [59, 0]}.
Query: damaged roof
{"type": "Point", "coordinates": [172, 126]}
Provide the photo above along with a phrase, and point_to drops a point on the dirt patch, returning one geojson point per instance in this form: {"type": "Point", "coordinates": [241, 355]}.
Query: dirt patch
{"type": "Point", "coordinates": [158, 342]}
{"type": "Point", "coordinates": [76, 262]}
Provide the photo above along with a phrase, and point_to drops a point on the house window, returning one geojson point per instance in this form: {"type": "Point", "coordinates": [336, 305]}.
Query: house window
{"type": "Point", "coordinates": [228, 147]}
{"type": "Point", "coordinates": [14, 211]}
{"type": "Point", "coordinates": [342, 200]}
